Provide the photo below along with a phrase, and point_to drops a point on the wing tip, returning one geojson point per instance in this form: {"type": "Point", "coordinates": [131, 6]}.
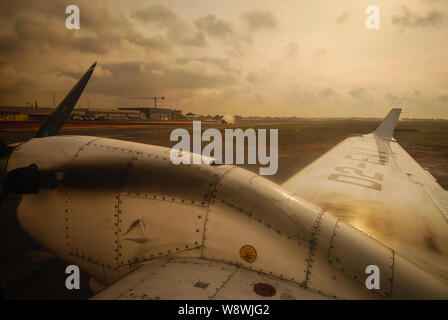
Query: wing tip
{"type": "Point", "coordinates": [387, 127]}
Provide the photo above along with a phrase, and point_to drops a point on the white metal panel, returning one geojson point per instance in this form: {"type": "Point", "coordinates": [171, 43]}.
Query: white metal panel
{"type": "Point", "coordinates": [34, 213]}
{"type": "Point", "coordinates": [352, 252]}
{"type": "Point", "coordinates": [46, 215]}
{"type": "Point", "coordinates": [266, 202]}
{"type": "Point", "coordinates": [411, 282]}
{"type": "Point", "coordinates": [414, 171]}
{"type": "Point", "coordinates": [321, 276]}
{"type": "Point", "coordinates": [55, 153]}
{"type": "Point", "coordinates": [182, 279]}
{"type": "Point", "coordinates": [195, 278]}
{"type": "Point", "coordinates": [170, 227]}
{"type": "Point", "coordinates": [224, 244]}
{"type": "Point", "coordinates": [152, 174]}
{"type": "Point", "coordinates": [249, 211]}
{"type": "Point", "coordinates": [91, 209]}
{"type": "Point", "coordinates": [241, 286]}
{"type": "Point", "coordinates": [440, 198]}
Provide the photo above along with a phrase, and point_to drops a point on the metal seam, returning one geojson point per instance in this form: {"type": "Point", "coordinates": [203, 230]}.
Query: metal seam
{"type": "Point", "coordinates": [313, 244]}
{"type": "Point", "coordinates": [224, 283]}
{"type": "Point", "coordinates": [215, 189]}
{"type": "Point", "coordinates": [66, 199]}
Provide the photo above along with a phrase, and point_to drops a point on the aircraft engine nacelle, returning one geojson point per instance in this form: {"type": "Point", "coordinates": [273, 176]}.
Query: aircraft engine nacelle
{"type": "Point", "coordinates": [117, 204]}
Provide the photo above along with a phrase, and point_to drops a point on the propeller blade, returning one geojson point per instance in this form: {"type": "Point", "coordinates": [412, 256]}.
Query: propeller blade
{"type": "Point", "coordinates": [3, 149]}
{"type": "Point", "coordinates": [62, 112]}
{"type": "Point", "coordinates": [27, 180]}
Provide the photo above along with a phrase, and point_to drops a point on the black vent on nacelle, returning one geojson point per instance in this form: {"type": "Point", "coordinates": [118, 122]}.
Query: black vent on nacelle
{"type": "Point", "coordinates": [201, 284]}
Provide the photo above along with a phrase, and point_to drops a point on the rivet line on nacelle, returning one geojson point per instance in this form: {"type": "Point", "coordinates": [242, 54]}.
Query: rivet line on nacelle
{"type": "Point", "coordinates": [259, 220]}
{"type": "Point", "coordinates": [166, 198]}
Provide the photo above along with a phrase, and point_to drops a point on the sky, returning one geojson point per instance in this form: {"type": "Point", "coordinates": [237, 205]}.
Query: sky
{"type": "Point", "coordinates": [312, 58]}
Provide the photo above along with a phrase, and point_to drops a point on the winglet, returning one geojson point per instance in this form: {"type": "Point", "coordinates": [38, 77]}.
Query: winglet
{"type": "Point", "coordinates": [386, 129]}
{"type": "Point", "coordinates": [63, 111]}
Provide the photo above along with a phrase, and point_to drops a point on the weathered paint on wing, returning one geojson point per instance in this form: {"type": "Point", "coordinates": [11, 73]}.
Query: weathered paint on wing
{"type": "Point", "coordinates": [373, 184]}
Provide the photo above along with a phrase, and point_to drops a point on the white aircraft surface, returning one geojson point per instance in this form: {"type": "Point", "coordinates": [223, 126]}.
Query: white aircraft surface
{"type": "Point", "coordinates": [143, 228]}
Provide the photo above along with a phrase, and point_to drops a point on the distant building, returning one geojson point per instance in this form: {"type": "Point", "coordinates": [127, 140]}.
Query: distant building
{"type": "Point", "coordinates": [191, 116]}
{"type": "Point", "coordinates": [126, 113]}
{"type": "Point", "coordinates": [33, 113]}
{"type": "Point", "coordinates": [159, 114]}
{"type": "Point", "coordinates": [104, 114]}
{"type": "Point", "coordinates": [8, 113]}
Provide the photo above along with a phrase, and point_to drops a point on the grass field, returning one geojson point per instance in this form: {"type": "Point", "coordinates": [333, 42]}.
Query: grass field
{"type": "Point", "coordinates": [29, 272]}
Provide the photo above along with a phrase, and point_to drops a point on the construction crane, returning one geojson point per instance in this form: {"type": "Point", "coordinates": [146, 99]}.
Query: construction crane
{"type": "Point", "coordinates": [153, 98]}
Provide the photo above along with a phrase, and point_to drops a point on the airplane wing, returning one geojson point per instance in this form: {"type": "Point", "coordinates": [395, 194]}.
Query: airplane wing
{"type": "Point", "coordinates": [372, 183]}
{"type": "Point", "coordinates": [200, 279]}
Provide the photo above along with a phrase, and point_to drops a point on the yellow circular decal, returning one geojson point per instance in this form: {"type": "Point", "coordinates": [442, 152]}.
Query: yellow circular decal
{"type": "Point", "coordinates": [248, 253]}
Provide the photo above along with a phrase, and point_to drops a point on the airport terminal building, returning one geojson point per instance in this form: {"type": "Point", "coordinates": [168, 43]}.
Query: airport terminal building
{"type": "Point", "coordinates": [15, 113]}
{"type": "Point", "coordinates": [157, 114]}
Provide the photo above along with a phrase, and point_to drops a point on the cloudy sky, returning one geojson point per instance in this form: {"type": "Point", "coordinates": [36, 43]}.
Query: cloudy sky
{"type": "Point", "coordinates": [246, 57]}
